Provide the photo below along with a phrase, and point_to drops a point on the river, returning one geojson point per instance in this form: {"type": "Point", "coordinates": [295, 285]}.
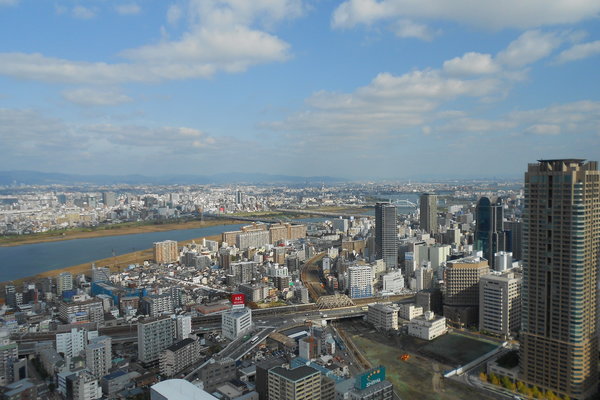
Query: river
{"type": "Point", "coordinates": [31, 259]}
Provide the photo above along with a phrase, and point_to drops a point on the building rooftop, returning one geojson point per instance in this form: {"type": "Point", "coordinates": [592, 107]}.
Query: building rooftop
{"type": "Point", "coordinates": [295, 374]}
{"type": "Point", "coordinates": [175, 389]}
{"type": "Point", "coordinates": [180, 345]}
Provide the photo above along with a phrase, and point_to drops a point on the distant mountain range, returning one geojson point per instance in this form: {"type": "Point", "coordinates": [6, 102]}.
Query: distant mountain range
{"type": "Point", "coordinates": [8, 178]}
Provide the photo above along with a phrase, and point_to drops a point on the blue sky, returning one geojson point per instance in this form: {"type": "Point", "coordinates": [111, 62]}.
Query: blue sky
{"type": "Point", "coordinates": [361, 89]}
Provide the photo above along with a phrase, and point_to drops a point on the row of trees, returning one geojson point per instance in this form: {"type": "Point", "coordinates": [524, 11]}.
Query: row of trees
{"type": "Point", "coordinates": [530, 392]}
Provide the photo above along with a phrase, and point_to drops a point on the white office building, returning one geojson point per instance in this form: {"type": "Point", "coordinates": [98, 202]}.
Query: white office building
{"type": "Point", "coordinates": [393, 282]}
{"type": "Point", "coordinates": [236, 322]}
{"type": "Point", "coordinates": [503, 261]}
{"type": "Point", "coordinates": [410, 311]}
{"type": "Point", "coordinates": [383, 316]}
{"type": "Point", "coordinates": [427, 326]}
{"type": "Point", "coordinates": [500, 303]}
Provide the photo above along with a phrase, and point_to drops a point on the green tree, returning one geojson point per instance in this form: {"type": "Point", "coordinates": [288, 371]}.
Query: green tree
{"type": "Point", "coordinates": [483, 376]}
{"type": "Point", "coordinates": [494, 380]}
{"type": "Point", "coordinates": [535, 392]}
{"type": "Point", "coordinates": [505, 380]}
{"type": "Point", "coordinates": [566, 397]}
{"type": "Point", "coordinates": [550, 395]}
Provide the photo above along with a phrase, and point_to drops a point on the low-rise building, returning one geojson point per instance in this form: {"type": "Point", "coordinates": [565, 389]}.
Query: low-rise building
{"type": "Point", "coordinates": [216, 372]}
{"type": "Point", "coordinates": [427, 326]}
{"type": "Point", "coordinates": [383, 316]}
{"type": "Point", "coordinates": [410, 311]}
{"type": "Point", "coordinates": [236, 322]}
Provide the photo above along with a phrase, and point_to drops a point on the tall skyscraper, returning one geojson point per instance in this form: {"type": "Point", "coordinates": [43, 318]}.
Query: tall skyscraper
{"type": "Point", "coordinates": [386, 238]}
{"type": "Point", "coordinates": [428, 212]}
{"type": "Point", "coordinates": [490, 236]}
{"type": "Point", "coordinates": [561, 232]}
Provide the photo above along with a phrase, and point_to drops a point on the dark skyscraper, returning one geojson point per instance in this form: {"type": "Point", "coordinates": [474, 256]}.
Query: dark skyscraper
{"type": "Point", "coordinates": [428, 213]}
{"type": "Point", "coordinates": [490, 236]}
{"type": "Point", "coordinates": [386, 238]}
{"type": "Point", "coordinates": [561, 232]}
{"type": "Point", "coordinates": [515, 238]}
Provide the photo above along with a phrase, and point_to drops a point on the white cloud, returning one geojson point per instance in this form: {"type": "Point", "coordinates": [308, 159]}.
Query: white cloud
{"type": "Point", "coordinates": [81, 12]}
{"type": "Point", "coordinates": [579, 52]}
{"type": "Point", "coordinates": [174, 14]}
{"type": "Point", "coordinates": [29, 135]}
{"type": "Point", "coordinates": [486, 14]}
{"type": "Point", "coordinates": [577, 118]}
{"type": "Point", "coordinates": [128, 9]}
{"type": "Point", "coordinates": [543, 129]}
{"type": "Point", "coordinates": [233, 50]}
{"type": "Point", "coordinates": [405, 28]}
{"type": "Point", "coordinates": [530, 47]}
{"type": "Point", "coordinates": [388, 104]}
{"type": "Point", "coordinates": [471, 64]}
{"type": "Point", "coordinates": [95, 97]}
{"type": "Point", "coordinates": [222, 35]}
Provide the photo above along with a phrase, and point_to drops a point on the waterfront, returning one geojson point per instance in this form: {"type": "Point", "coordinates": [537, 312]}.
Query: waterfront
{"type": "Point", "coordinates": [31, 259]}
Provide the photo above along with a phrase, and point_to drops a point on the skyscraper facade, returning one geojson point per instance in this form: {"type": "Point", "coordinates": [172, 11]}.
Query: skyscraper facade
{"type": "Point", "coordinates": [490, 236]}
{"type": "Point", "coordinates": [561, 232]}
{"type": "Point", "coordinates": [428, 212]}
{"type": "Point", "coordinates": [386, 238]}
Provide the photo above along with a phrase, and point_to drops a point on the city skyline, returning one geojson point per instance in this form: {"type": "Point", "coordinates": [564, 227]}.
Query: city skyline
{"type": "Point", "coordinates": [271, 86]}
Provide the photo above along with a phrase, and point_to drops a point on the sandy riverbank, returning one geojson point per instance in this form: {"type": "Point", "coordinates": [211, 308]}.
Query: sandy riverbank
{"type": "Point", "coordinates": [108, 230]}
{"type": "Point", "coordinates": [116, 264]}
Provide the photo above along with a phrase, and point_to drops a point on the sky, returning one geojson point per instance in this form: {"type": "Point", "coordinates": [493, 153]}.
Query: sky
{"type": "Point", "coordinates": [358, 89]}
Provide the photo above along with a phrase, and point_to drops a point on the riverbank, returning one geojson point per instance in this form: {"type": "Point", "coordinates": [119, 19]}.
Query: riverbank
{"type": "Point", "coordinates": [127, 228]}
{"type": "Point", "coordinates": [116, 264]}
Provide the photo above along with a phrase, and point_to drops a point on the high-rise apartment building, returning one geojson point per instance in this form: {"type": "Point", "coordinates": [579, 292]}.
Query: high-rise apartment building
{"type": "Point", "coordinates": [100, 274]}
{"type": "Point", "coordinates": [290, 384]}
{"type": "Point", "coordinates": [64, 281]}
{"type": "Point", "coordinates": [561, 232]}
{"type": "Point", "coordinates": [428, 212]}
{"type": "Point", "coordinates": [8, 356]}
{"type": "Point", "coordinates": [98, 356]}
{"type": "Point", "coordinates": [166, 252]}
{"type": "Point", "coordinates": [386, 238]}
{"type": "Point", "coordinates": [500, 303]}
{"type": "Point", "coordinates": [183, 325]}
{"type": "Point", "coordinates": [360, 281]}
{"type": "Point", "coordinates": [490, 236]}
{"type": "Point", "coordinates": [179, 356]}
{"type": "Point", "coordinates": [154, 335]}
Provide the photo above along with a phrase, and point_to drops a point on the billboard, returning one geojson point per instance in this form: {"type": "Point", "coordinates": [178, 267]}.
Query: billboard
{"type": "Point", "coordinates": [238, 299]}
{"type": "Point", "coordinates": [370, 378]}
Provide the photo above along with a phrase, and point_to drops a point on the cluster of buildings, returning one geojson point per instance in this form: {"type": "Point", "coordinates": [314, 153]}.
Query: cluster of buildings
{"type": "Point", "coordinates": [511, 263]}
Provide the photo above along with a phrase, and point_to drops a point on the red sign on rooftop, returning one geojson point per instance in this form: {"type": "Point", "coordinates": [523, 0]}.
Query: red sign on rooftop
{"type": "Point", "coordinates": [238, 299]}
